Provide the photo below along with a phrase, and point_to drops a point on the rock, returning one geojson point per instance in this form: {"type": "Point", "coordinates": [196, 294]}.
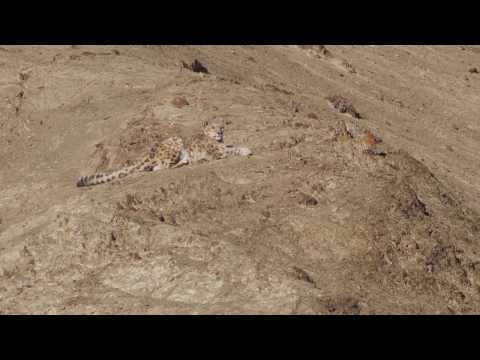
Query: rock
{"type": "Point", "coordinates": [343, 106]}
{"type": "Point", "coordinates": [180, 102]}
{"type": "Point", "coordinates": [195, 66]}
{"type": "Point", "coordinates": [308, 200]}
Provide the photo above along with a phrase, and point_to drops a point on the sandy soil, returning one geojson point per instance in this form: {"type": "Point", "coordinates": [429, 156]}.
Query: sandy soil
{"type": "Point", "coordinates": [310, 224]}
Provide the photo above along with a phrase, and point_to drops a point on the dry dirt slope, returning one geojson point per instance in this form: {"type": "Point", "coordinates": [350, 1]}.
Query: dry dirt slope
{"type": "Point", "coordinates": [309, 224]}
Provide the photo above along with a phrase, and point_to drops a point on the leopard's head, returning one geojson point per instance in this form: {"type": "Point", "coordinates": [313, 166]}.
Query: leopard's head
{"type": "Point", "coordinates": [214, 130]}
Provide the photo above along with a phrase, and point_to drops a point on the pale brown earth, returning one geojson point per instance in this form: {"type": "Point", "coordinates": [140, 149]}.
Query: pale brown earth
{"type": "Point", "coordinates": [309, 224]}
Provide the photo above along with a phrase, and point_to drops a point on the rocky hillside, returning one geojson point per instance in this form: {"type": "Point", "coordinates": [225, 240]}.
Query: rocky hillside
{"type": "Point", "coordinates": [361, 197]}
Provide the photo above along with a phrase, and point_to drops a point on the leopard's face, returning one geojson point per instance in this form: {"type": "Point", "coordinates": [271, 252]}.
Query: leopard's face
{"type": "Point", "coordinates": [214, 131]}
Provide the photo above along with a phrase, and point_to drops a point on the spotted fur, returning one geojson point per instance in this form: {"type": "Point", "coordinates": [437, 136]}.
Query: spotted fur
{"type": "Point", "coordinates": [166, 155]}
{"type": "Point", "coordinates": [209, 145]}
{"type": "Point", "coordinates": [172, 153]}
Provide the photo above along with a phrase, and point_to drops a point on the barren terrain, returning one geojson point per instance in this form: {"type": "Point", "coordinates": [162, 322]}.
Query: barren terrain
{"type": "Point", "coordinates": [311, 223]}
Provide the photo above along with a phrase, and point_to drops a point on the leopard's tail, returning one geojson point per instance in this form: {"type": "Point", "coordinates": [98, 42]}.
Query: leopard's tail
{"type": "Point", "coordinates": [101, 178]}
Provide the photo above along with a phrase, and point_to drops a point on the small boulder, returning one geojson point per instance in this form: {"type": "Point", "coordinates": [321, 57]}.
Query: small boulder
{"type": "Point", "coordinates": [196, 66]}
{"type": "Point", "coordinates": [343, 106]}
{"type": "Point", "coordinates": [180, 102]}
{"type": "Point", "coordinates": [307, 200]}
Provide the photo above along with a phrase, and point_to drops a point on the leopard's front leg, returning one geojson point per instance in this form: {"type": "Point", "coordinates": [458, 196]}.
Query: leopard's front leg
{"type": "Point", "coordinates": [185, 159]}
{"type": "Point", "coordinates": [238, 150]}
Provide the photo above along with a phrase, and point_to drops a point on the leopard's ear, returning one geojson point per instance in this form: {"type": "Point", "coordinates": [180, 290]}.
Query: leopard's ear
{"type": "Point", "coordinates": [205, 123]}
